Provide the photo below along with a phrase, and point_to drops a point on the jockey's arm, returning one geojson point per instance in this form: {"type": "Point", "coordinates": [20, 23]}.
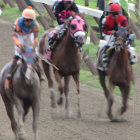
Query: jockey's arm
{"type": "Point", "coordinates": [35, 32]}
{"type": "Point", "coordinates": [16, 31]}
{"type": "Point", "coordinates": [58, 14]}
{"type": "Point", "coordinates": [106, 30]}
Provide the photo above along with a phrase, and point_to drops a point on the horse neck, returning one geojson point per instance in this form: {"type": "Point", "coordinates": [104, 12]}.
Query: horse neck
{"type": "Point", "coordinates": [69, 46]}
{"type": "Point", "coordinates": [26, 71]}
{"type": "Point", "coordinates": [122, 58]}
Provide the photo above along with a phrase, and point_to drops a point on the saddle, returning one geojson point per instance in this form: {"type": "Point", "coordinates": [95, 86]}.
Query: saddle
{"type": "Point", "coordinates": [100, 64]}
{"type": "Point", "coordinates": [58, 36]}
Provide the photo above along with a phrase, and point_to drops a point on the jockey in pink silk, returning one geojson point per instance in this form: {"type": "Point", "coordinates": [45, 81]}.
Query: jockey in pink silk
{"type": "Point", "coordinates": [63, 12]}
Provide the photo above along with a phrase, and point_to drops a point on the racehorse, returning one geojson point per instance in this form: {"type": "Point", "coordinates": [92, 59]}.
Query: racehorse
{"type": "Point", "coordinates": [66, 57]}
{"type": "Point", "coordinates": [24, 92]}
{"type": "Point", "coordinates": [119, 72]}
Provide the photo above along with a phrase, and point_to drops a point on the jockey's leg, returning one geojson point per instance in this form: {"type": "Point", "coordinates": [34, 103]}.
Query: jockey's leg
{"type": "Point", "coordinates": [12, 67]}
{"type": "Point", "coordinates": [53, 37]}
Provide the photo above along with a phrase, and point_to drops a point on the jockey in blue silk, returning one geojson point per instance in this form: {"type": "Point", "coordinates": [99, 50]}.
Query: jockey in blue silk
{"type": "Point", "coordinates": [25, 34]}
{"type": "Point", "coordinates": [63, 12]}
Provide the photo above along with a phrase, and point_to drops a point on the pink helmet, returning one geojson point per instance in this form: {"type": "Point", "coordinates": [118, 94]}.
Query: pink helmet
{"type": "Point", "coordinates": [29, 13]}
{"type": "Point", "coordinates": [71, 1]}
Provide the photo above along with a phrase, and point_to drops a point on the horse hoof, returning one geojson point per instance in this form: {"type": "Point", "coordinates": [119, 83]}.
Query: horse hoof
{"type": "Point", "coordinates": [53, 105]}
{"type": "Point", "coordinates": [22, 135]}
{"type": "Point", "coordinates": [79, 115]}
{"type": "Point", "coordinates": [60, 101]}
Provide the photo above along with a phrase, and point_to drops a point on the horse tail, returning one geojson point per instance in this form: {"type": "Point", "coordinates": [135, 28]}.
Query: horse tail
{"type": "Point", "coordinates": [42, 44]}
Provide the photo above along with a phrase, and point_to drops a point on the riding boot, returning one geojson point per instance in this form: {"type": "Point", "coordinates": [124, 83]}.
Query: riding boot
{"type": "Point", "coordinates": [52, 40]}
{"type": "Point", "coordinates": [11, 69]}
{"type": "Point", "coordinates": [132, 60]}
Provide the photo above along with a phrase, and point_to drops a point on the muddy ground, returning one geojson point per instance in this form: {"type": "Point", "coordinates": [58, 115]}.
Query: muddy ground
{"type": "Point", "coordinates": [53, 125]}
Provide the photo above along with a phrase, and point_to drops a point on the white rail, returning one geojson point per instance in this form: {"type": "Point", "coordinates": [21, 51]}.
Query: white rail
{"type": "Point", "coordinates": [86, 10]}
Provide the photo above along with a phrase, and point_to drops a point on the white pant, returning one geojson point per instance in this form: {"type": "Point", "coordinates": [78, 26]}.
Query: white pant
{"type": "Point", "coordinates": [59, 27]}
{"type": "Point", "coordinates": [25, 40]}
{"type": "Point", "coordinates": [109, 39]}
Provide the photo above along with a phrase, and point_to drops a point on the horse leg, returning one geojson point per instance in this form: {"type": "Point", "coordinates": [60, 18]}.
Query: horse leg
{"type": "Point", "coordinates": [50, 83]}
{"type": "Point", "coordinates": [76, 79]}
{"type": "Point", "coordinates": [26, 106]}
{"type": "Point", "coordinates": [125, 94]}
{"type": "Point", "coordinates": [35, 108]}
{"type": "Point", "coordinates": [110, 103]}
{"type": "Point", "coordinates": [103, 84]}
{"type": "Point", "coordinates": [66, 90]}
{"type": "Point", "coordinates": [106, 93]}
{"type": "Point", "coordinates": [58, 78]}
{"type": "Point", "coordinates": [20, 110]}
{"type": "Point", "coordinates": [10, 113]}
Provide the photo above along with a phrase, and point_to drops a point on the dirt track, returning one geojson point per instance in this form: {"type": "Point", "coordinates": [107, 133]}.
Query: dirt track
{"type": "Point", "coordinates": [53, 125]}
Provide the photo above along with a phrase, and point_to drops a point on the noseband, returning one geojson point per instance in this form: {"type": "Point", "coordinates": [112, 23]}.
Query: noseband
{"type": "Point", "coordinates": [121, 39]}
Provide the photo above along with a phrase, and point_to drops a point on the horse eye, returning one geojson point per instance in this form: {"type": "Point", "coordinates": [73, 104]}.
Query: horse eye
{"type": "Point", "coordinates": [85, 27]}
{"type": "Point", "coordinates": [73, 26]}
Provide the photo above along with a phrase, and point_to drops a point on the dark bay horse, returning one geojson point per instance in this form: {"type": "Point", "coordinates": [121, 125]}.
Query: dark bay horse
{"type": "Point", "coordinates": [119, 72]}
{"type": "Point", "coordinates": [66, 58]}
{"type": "Point", "coordinates": [25, 93]}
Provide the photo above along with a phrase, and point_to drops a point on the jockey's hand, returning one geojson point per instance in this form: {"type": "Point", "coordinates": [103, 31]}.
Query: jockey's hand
{"type": "Point", "coordinates": [33, 46]}
{"type": "Point", "coordinates": [22, 48]}
{"type": "Point", "coordinates": [66, 21]}
{"type": "Point", "coordinates": [112, 32]}
{"type": "Point", "coordinates": [73, 14]}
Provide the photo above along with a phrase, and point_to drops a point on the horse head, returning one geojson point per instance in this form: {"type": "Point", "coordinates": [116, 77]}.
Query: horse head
{"type": "Point", "coordinates": [28, 58]}
{"type": "Point", "coordinates": [78, 28]}
{"type": "Point", "coordinates": [121, 37]}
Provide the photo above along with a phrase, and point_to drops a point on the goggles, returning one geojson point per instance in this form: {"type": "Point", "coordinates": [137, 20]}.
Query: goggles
{"type": "Point", "coordinates": [67, 2]}
{"type": "Point", "coordinates": [114, 13]}
{"type": "Point", "coordinates": [28, 20]}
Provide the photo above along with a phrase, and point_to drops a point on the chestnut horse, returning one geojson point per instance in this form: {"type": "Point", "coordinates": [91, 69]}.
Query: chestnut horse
{"type": "Point", "coordinates": [24, 92]}
{"type": "Point", "coordinates": [119, 72]}
{"type": "Point", "coordinates": [66, 57]}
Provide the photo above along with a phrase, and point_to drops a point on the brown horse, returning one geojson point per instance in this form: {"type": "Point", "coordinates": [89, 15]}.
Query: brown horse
{"type": "Point", "coordinates": [25, 93]}
{"type": "Point", "coordinates": [66, 57]}
{"type": "Point", "coordinates": [119, 72]}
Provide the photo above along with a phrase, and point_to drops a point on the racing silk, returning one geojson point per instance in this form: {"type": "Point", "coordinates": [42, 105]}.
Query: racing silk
{"type": "Point", "coordinates": [112, 24]}
{"type": "Point", "coordinates": [22, 29]}
{"type": "Point", "coordinates": [62, 13]}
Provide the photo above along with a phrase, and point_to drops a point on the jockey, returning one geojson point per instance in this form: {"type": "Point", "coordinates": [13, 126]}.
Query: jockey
{"type": "Point", "coordinates": [63, 12]}
{"type": "Point", "coordinates": [111, 24]}
{"type": "Point", "coordinates": [26, 29]}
